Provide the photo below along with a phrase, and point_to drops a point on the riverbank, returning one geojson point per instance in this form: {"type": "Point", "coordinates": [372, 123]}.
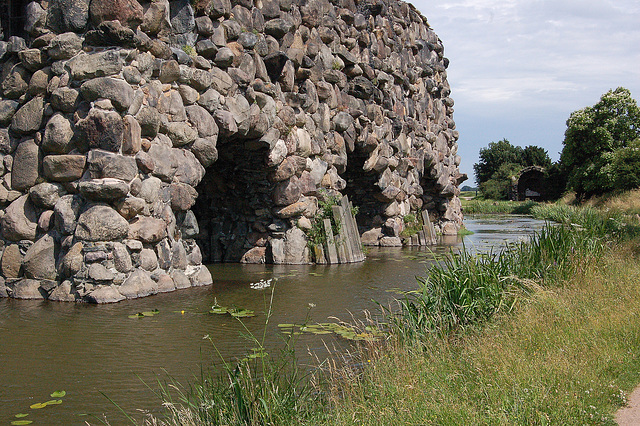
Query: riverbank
{"type": "Point", "coordinates": [553, 340]}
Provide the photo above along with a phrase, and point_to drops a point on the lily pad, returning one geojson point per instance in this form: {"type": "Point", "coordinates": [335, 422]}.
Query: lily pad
{"type": "Point", "coordinates": [145, 314]}
{"type": "Point", "coordinates": [242, 313]}
{"type": "Point", "coordinates": [20, 415]}
{"type": "Point", "coordinates": [286, 325]}
{"type": "Point", "coordinates": [58, 394]}
{"type": "Point", "coordinates": [21, 422]}
{"type": "Point", "coordinates": [38, 405]}
{"type": "Point", "coordinates": [54, 402]}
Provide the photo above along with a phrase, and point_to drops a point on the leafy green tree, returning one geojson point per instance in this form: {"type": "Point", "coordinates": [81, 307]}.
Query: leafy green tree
{"type": "Point", "coordinates": [625, 167]}
{"type": "Point", "coordinates": [494, 156]}
{"type": "Point", "coordinates": [593, 135]}
{"type": "Point", "coordinates": [535, 156]}
{"type": "Point", "coordinates": [501, 182]}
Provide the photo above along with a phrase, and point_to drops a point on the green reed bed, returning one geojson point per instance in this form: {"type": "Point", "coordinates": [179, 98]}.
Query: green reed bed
{"type": "Point", "coordinates": [465, 290]}
{"type": "Point", "coordinates": [258, 391]}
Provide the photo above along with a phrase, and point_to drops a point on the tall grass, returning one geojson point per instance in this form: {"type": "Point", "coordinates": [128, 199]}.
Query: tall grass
{"type": "Point", "coordinates": [259, 389]}
{"type": "Point", "coordinates": [466, 290]}
{"type": "Point", "coordinates": [263, 391]}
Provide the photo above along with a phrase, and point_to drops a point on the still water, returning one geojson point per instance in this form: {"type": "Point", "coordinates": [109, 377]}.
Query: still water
{"type": "Point", "coordinates": [91, 351]}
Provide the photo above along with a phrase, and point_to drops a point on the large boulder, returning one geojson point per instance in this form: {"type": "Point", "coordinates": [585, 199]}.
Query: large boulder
{"type": "Point", "coordinates": [63, 168]}
{"type": "Point", "coordinates": [68, 15]}
{"type": "Point", "coordinates": [26, 289]}
{"type": "Point", "coordinates": [64, 46]}
{"type": "Point", "coordinates": [28, 118]}
{"type": "Point", "coordinates": [148, 229]}
{"type": "Point", "coordinates": [128, 12]}
{"type": "Point", "coordinates": [20, 221]}
{"type": "Point", "coordinates": [66, 212]}
{"type": "Point", "coordinates": [46, 194]}
{"type": "Point", "coordinates": [25, 165]}
{"type": "Point", "coordinates": [138, 284]}
{"type": "Point", "coordinates": [92, 65]}
{"type": "Point", "coordinates": [103, 130]}
{"type": "Point", "coordinates": [57, 135]}
{"type": "Point", "coordinates": [40, 259]}
{"type": "Point", "coordinates": [119, 92]}
{"type": "Point", "coordinates": [11, 261]}
{"type": "Point", "coordinates": [104, 294]}
{"type": "Point", "coordinates": [103, 189]}
{"type": "Point", "coordinates": [101, 222]}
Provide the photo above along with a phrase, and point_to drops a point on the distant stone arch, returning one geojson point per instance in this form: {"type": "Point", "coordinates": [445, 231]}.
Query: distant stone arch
{"type": "Point", "coordinates": [531, 184]}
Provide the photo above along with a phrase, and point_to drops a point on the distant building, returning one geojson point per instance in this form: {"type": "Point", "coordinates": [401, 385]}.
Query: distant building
{"type": "Point", "coordinates": [530, 184]}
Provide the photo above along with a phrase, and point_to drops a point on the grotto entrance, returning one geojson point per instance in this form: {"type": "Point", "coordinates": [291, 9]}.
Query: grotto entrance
{"type": "Point", "coordinates": [361, 188]}
{"type": "Point", "coordinates": [234, 205]}
{"type": "Point", "coordinates": [12, 18]}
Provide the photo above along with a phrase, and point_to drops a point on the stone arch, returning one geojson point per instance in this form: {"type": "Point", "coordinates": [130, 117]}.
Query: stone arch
{"type": "Point", "coordinates": [130, 132]}
{"type": "Point", "coordinates": [531, 184]}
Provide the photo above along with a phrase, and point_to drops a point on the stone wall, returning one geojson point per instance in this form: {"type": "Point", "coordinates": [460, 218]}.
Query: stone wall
{"type": "Point", "coordinates": [137, 138]}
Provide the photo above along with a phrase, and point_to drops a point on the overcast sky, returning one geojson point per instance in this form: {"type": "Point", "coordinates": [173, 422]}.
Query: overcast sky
{"type": "Point", "coordinates": [519, 68]}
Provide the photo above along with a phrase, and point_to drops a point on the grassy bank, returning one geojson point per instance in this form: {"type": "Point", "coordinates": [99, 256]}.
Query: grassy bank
{"type": "Point", "coordinates": [481, 206]}
{"type": "Point", "coordinates": [569, 355]}
{"type": "Point", "coordinates": [546, 332]}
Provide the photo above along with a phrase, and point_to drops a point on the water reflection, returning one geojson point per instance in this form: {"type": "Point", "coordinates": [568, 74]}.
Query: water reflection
{"type": "Point", "coordinates": [87, 349]}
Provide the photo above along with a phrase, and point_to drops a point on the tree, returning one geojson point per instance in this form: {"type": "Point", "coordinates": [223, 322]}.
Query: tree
{"type": "Point", "coordinates": [535, 156]}
{"type": "Point", "coordinates": [593, 135]}
{"type": "Point", "coordinates": [495, 155]}
{"type": "Point", "coordinates": [501, 182]}
{"type": "Point", "coordinates": [625, 167]}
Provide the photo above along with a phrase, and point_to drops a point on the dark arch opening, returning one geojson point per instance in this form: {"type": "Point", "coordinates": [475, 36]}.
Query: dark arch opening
{"type": "Point", "coordinates": [234, 205]}
{"type": "Point", "coordinates": [362, 189]}
{"type": "Point", "coordinates": [12, 16]}
{"type": "Point", "coordinates": [531, 184]}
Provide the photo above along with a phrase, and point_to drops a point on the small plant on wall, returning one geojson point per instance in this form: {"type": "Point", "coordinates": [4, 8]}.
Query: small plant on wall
{"type": "Point", "coordinates": [316, 234]}
{"type": "Point", "coordinates": [412, 224]}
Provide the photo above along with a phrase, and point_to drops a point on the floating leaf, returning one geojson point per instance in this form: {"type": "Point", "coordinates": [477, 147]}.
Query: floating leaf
{"type": "Point", "coordinates": [242, 313]}
{"type": "Point", "coordinates": [286, 325]}
{"type": "Point", "coordinates": [54, 402]}
{"type": "Point", "coordinates": [21, 422]}
{"type": "Point", "coordinates": [38, 405]}
{"type": "Point", "coordinates": [21, 415]}
{"type": "Point", "coordinates": [58, 394]}
{"type": "Point", "coordinates": [219, 310]}
{"type": "Point", "coordinates": [148, 314]}
{"type": "Point", "coordinates": [138, 315]}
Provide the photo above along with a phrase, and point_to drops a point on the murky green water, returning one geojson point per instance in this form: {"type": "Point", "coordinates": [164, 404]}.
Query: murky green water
{"type": "Point", "coordinates": [88, 350]}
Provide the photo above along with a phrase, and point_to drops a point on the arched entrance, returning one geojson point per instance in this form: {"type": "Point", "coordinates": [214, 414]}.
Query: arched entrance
{"type": "Point", "coordinates": [12, 15]}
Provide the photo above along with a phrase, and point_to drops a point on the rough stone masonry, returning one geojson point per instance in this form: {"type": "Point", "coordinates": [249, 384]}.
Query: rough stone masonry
{"type": "Point", "coordinates": [141, 139]}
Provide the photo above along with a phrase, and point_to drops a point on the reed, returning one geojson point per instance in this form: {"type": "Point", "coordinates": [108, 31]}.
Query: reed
{"type": "Point", "coordinates": [260, 389]}
{"type": "Point", "coordinates": [465, 290]}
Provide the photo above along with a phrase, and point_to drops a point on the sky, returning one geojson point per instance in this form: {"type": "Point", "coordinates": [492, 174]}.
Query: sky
{"type": "Point", "coordinates": [519, 68]}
